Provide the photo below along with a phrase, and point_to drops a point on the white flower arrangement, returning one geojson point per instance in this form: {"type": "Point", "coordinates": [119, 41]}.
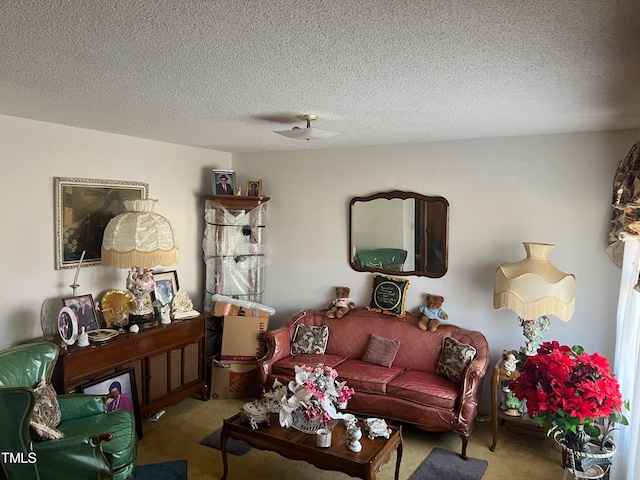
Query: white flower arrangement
{"type": "Point", "coordinates": [315, 392]}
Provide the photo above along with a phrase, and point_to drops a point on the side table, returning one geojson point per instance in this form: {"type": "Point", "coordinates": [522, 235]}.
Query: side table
{"type": "Point", "coordinates": [500, 375]}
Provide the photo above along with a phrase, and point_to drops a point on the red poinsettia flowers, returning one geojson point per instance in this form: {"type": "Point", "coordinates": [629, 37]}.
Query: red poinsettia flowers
{"type": "Point", "coordinates": [566, 387]}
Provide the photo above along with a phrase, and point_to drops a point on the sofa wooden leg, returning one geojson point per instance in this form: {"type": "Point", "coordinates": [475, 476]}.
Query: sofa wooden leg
{"type": "Point", "coordinates": [465, 442]}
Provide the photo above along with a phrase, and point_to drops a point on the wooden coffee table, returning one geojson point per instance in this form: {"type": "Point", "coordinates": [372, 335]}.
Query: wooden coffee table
{"type": "Point", "coordinates": [296, 445]}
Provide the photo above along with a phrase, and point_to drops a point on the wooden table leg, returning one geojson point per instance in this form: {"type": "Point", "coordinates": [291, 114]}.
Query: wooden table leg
{"type": "Point", "coordinates": [398, 457]}
{"type": "Point", "coordinates": [494, 408]}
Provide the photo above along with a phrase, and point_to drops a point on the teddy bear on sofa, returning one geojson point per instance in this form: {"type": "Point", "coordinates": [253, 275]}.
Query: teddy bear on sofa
{"type": "Point", "coordinates": [432, 313]}
{"type": "Point", "coordinates": [342, 304]}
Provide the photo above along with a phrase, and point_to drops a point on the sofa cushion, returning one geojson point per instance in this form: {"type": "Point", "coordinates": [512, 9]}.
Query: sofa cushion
{"type": "Point", "coordinates": [46, 412]}
{"type": "Point", "coordinates": [381, 351]}
{"type": "Point", "coordinates": [388, 295]}
{"type": "Point", "coordinates": [366, 377]}
{"type": "Point", "coordinates": [454, 359]}
{"type": "Point", "coordinates": [308, 339]}
{"type": "Point", "coordinates": [424, 388]}
{"type": "Point", "coordinates": [286, 366]}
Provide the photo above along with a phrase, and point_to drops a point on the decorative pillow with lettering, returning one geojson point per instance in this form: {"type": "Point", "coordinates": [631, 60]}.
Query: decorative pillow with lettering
{"type": "Point", "coordinates": [388, 295]}
{"type": "Point", "coordinates": [46, 412]}
{"type": "Point", "coordinates": [309, 340]}
{"type": "Point", "coordinates": [455, 357]}
{"type": "Point", "coordinates": [381, 351]}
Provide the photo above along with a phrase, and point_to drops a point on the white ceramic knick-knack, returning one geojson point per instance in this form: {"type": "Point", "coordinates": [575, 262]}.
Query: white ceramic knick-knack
{"type": "Point", "coordinates": [354, 434]}
{"type": "Point", "coordinates": [165, 318]}
{"type": "Point", "coordinates": [83, 339]}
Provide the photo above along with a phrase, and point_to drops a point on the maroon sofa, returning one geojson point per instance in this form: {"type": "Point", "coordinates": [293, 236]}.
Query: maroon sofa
{"type": "Point", "coordinates": [409, 390]}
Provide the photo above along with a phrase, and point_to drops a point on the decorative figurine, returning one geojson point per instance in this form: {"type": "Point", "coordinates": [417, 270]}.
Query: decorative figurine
{"type": "Point", "coordinates": [377, 427]}
{"type": "Point", "coordinates": [510, 363]}
{"type": "Point", "coordinates": [513, 405]}
{"type": "Point", "coordinates": [354, 434]}
{"type": "Point", "coordinates": [254, 413]}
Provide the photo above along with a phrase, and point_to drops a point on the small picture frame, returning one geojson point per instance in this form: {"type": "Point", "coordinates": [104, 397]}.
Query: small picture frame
{"type": "Point", "coordinates": [254, 187]}
{"type": "Point", "coordinates": [109, 317]}
{"type": "Point", "coordinates": [84, 310]}
{"type": "Point", "coordinates": [166, 286]}
{"type": "Point", "coordinates": [68, 325]}
{"type": "Point", "coordinates": [223, 182]}
{"type": "Point", "coordinates": [125, 397]}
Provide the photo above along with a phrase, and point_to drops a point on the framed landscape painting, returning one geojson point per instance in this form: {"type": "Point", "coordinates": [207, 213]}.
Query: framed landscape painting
{"type": "Point", "coordinates": [83, 208]}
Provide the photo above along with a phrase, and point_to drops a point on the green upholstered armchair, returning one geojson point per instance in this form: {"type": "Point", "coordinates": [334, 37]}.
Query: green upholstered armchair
{"type": "Point", "coordinates": [96, 444]}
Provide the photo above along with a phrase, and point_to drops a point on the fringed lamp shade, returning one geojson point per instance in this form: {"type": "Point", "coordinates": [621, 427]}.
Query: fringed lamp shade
{"type": "Point", "coordinates": [534, 288]}
{"type": "Point", "coordinates": [139, 237]}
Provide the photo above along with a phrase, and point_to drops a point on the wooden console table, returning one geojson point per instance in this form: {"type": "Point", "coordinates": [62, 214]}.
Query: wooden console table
{"type": "Point", "coordinates": [169, 363]}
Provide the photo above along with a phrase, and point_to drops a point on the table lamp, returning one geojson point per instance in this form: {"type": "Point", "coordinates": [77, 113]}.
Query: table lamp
{"type": "Point", "coordinates": [139, 239]}
{"type": "Point", "coordinates": [533, 288]}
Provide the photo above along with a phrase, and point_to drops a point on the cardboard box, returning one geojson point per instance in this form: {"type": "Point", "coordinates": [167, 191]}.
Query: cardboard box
{"type": "Point", "coordinates": [222, 309]}
{"type": "Point", "coordinates": [233, 380]}
{"type": "Point", "coordinates": [243, 338]}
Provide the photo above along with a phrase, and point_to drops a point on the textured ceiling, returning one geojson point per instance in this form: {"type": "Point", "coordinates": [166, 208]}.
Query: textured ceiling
{"type": "Point", "coordinates": [224, 74]}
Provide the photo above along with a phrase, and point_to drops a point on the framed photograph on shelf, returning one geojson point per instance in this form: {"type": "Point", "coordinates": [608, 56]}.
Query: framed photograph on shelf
{"type": "Point", "coordinates": [254, 187]}
{"type": "Point", "coordinates": [68, 326]}
{"type": "Point", "coordinates": [84, 310]}
{"type": "Point", "coordinates": [224, 182]}
{"type": "Point", "coordinates": [166, 286]}
{"type": "Point", "coordinates": [83, 208]}
{"type": "Point", "coordinates": [124, 393]}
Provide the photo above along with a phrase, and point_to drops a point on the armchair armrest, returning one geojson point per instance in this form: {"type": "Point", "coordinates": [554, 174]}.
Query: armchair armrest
{"type": "Point", "coordinates": [75, 405]}
{"type": "Point", "coordinates": [72, 457]}
{"type": "Point", "coordinates": [278, 344]}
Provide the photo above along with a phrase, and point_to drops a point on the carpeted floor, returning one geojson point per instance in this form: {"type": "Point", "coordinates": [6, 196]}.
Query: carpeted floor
{"type": "Point", "coordinates": [520, 452]}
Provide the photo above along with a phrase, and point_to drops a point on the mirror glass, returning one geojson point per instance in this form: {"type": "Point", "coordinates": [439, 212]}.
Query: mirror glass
{"type": "Point", "coordinates": [399, 233]}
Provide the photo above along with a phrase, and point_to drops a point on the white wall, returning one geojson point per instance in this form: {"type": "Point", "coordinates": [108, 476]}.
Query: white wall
{"type": "Point", "coordinates": [554, 189]}
{"type": "Point", "coordinates": [32, 155]}
{"type": "Point", "coordinates": [502, 192]}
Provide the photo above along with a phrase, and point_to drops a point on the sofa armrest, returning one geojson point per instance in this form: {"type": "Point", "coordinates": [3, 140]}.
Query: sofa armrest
{"type": "Point", "coordinates": [278, 343]}
{"type": "Point", "coordinates": [471, 391]}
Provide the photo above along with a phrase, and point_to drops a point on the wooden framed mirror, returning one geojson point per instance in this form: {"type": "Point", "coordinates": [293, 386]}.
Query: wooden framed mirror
{"type": "Point", "coordinates": [399, 233]}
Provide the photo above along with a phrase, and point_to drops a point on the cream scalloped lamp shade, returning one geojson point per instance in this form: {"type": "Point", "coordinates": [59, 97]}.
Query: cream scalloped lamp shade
{"type": "Point", "coordinates": [139, 237]}
{"type": "Point", "coordinates": [533, 287]}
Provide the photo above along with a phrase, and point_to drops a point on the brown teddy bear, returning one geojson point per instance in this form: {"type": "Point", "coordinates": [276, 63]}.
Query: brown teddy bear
{"type": "Point", "coordinates": [342, 304]}
{"type": "Point", "coordinates": [432, 313]}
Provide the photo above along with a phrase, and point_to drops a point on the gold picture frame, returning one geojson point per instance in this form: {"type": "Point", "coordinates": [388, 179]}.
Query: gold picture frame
{"type": "Point", "coordinates": [254, 187]}
{"type": "Point", "coordinates": [84, 206]}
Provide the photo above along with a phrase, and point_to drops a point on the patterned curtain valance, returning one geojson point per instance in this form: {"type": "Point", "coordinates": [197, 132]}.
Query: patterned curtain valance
{"type": "Point", "coordinates": [626, 203]}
